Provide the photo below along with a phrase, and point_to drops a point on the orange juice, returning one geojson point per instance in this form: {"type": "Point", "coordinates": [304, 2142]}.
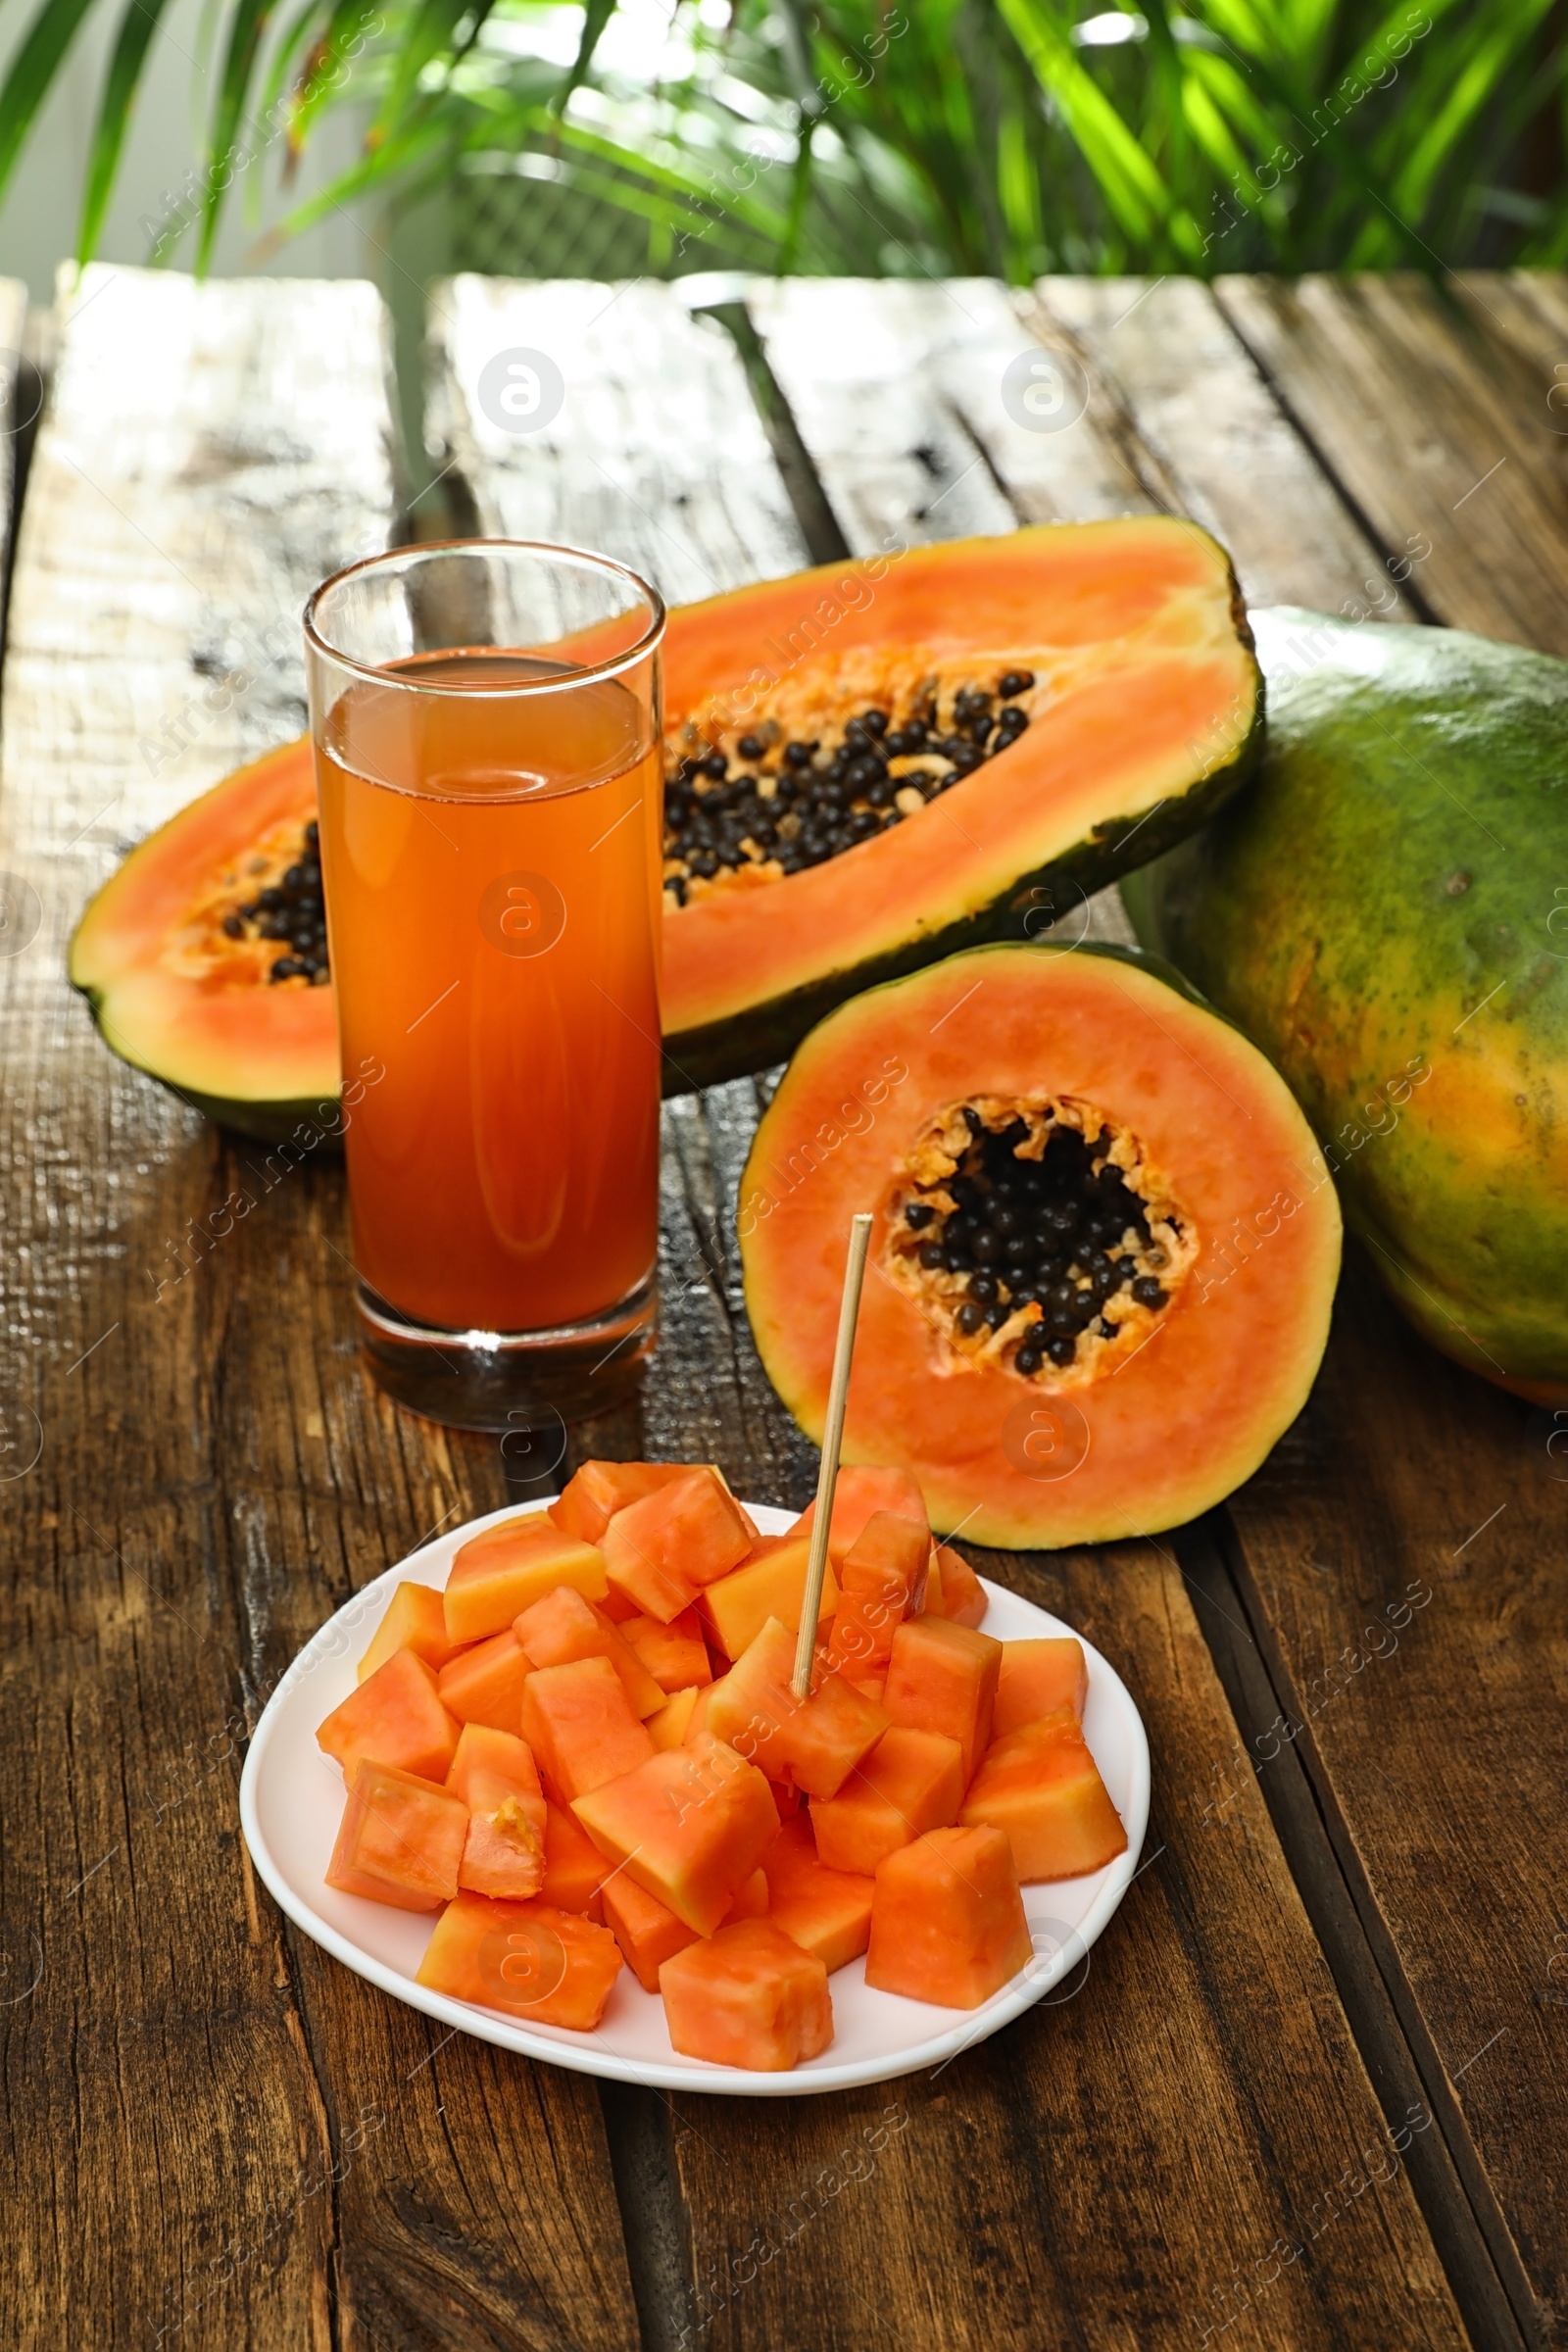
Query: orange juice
{"type": "Point", "coordinates": [493, 872]}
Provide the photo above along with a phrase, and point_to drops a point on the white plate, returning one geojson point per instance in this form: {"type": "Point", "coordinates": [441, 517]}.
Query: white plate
{"type": "Point", "coordinates": [291, 1795]}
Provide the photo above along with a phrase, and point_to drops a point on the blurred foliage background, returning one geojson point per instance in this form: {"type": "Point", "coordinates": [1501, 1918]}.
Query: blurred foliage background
{"type": "Point", "coordinates": [1008, 138]}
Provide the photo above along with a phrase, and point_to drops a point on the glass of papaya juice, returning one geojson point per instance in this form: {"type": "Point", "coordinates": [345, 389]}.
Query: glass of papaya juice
{"type": "Point", "coordinates": [486, 723]}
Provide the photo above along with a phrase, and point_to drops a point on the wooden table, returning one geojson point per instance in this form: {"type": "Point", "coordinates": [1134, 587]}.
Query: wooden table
{"type": "Point", "coordinates": [1310, 2092]}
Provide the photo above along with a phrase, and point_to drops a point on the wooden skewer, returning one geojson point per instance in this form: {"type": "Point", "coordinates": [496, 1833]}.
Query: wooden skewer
{"type": "Point", "coordinates": [832, 1439]}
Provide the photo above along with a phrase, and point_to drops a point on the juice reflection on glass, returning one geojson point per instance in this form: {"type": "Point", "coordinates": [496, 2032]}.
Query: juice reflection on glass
{"type": "Point", "coordinates": [490, 847]}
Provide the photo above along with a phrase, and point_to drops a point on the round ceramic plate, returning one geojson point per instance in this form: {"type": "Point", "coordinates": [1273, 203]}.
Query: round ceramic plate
{"type": "Point", "coordinates": [291, 1797]}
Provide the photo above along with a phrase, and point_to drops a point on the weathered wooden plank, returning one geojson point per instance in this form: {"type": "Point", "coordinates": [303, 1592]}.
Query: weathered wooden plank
{"type": "Point", "coordinates": [251, 2157]}
{"type": "Point", "coordinates": [645, 442]}
{"type": "Point", "coordinates": [1188, 395]}
{"type": "Point", "coordinates": [1375, 1496]}
{"type": "Point", "coordinates": [1434, 432]}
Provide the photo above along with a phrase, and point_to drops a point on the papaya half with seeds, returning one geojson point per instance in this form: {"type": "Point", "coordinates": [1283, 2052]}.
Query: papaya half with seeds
{"type": "Point", "coordinates": [868, 767]}
{"type": "Point", "coordinates": [1386, 914]}
{"type": "Point", "coordinates": [172, 957]}
{"type": "Point", "coordinates": [986, 730]}
{"type": "Point", "coordinates": [1104, 1249]}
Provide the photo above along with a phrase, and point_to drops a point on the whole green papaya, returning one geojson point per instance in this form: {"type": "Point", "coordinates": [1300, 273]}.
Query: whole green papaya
{"type": "Point", "coordinates": [1385, 913]}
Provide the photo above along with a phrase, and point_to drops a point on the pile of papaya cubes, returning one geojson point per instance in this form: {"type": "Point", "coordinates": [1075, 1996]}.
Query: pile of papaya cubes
{"type": "Point", "coordinates": [586, 1753]}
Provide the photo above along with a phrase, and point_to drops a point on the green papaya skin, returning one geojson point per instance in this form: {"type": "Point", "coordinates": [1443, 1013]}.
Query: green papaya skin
{"type": "Point", "coordinates": [1385, 913]}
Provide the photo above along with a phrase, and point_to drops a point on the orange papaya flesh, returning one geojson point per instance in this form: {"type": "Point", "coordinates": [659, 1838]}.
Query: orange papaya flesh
{"type": "Point", "coordinates": [750, 1899]}
{"type": "Point", "coordinates": [947, 1920]}
{"type": "Point", "coordinates": [690, 1826]}
{"type": "Point", "coordinates": [575, 1871]}
{"type": "Point", "coordinates": [505, 1569]}
{"type": "Point", "coordinates": [962, 1594]}
{"type": "Point", "coordinates": [394, 1717]}
{"type": "Point", "coordinates": [827, 1912]}
{"type": "Point", "coordinates": [483, 1682]}
{"type": "Point", "coordinates": [1038, 1678]}
{"type": "Point", "coordinates": [771, 1583]}
{"type": "Point", "coordinates": [1153, 1134]}
{"type": "Point", "coordinates": [912, 1781]}
{"type": "Point", "coordinates": [860, 1491]}
{"type": "Point", "coordinates": [882, 1581]}
{"type": "Point", "coordinates": [1143, 706]}
{"type": "Point", "coordinates": [414, 1620]}
{"type": "Point", "coordinates": [669, 1727]}
{"type": "Point", "coordinates": [822, 1742]}
{"type": "Point", "coordinates": [1041, 1787]}
{"type": "Point", "coordinates": [675, 1654]}
{"type": "Point", "coordinates": [533, 1961]}
{"type": "Point", "coordinates": [747, 1996]}
{"type": "Point", "coordinates": [646, 1931]}
{"type": "Point", "coordinates": [661, 1550]}
{"type": "Point", "coordinates": [943, 1678]}
{"type": "Point", "coordinates": [593, 1495]}
{"type": "Point", "coordinates": [581, 1727]}
{"type": "Point", "coordinates": [754, 1703]}
{"type": "Point", "coordinates": [564, 1627]}
{"type": "Point", "coordinates": [495, 1776]}
{"type": "Point", "coordinates": [400, 1840]}
{"type": "Point", "coordinates": [177, 996]}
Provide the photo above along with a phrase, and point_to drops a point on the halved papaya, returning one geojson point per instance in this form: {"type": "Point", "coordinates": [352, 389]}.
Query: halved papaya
{"type": "Point", "coordinates": [180, 980]}
{"type": "Point", "coordinates": [868, 765]}
{"type": "Point", "coordinates": [872, 765]}
{"type": "Point", "coordinates": [1057, 1334]}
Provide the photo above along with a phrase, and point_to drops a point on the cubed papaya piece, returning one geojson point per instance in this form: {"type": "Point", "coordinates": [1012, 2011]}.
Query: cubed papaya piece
{"type": "Point", "coordinates": [646, 1929]}
{"type": "Point", "coordinates": [562, 1628]}
{"type": "Point", "coordinates": [697, 1721]}
{"type": "Point", "coordinates": [669, 1727]}
{"type": "Point", "coordinates": [750, 1707]}
{"type": "Point", "coordinates": [773, 1584]}
{"type": "Point", "coordinates": [858, 1494]}
{"type": "Point", "coordinates": [494, 1775]}
{"type": "Point", "coordinates": [869, 1685]}
{"type": "Point", "coordinates": [675, 1654]}
{"type": "Point", "coordinates": [395, 1717]}
{"type": "Point", "coordinates": [747, 1996]}
{"type": "Point", "coordinates": [661, 1551]}
{"type": "Point", "coordinates": [552, 1966]}
{"type": "Point", "coordinates": [879, 1585]}
{"type": "Point", "coordinates": [943, 1678]}
{"type": "Point", "coordinates": [690, 1826]}
{"type": "Point", "coordinates": [594, 1494]}
{"type": "Point", "coordinates": [575, 1870]}
{"type": "Point", "coordinates": [947, 1920]}
{"type": "Point", "coordinates": [400, 1840]}
{"type": "Point", "coordinates": [579, 1723]}
{"type": "Point", "coordinates": [822, 1742]}
{"type": "Point", "coordinates": [416, 1619]}
{"type": "Point", "coordinates": [964, 1600]}
{"type": "Point", "coordinates": [483, 1682]}
{"type": "Point", "coordinates": [1039, 1677]}
{"type": "Point", "coordinates": [1042, 1788]}
{"type": "Point", "coordinates": [912, 1781]}
{"type": "Point", "coordinates": [750, 1899]}
{"type": "Point", "coordinates": [499, 1574]}
{"type": "Point", "coordinates": [824, 1911]}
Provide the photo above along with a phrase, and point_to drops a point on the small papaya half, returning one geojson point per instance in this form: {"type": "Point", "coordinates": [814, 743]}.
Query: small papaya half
{"type": "Point", "coordinates": [194, 1003]}
{"type": "Point", "coordinates": [1105, 1253]}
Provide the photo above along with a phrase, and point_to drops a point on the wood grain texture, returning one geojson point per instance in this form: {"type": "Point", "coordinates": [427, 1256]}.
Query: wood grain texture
{"type": "Point", "coordinates": [655, 454]}
{"type": "Point", "coordinates": [213, 2137]}
{"type": "Point", "coordinates": [1435, 428]}
{"type": "Point", "coordinates": [1186, 395]}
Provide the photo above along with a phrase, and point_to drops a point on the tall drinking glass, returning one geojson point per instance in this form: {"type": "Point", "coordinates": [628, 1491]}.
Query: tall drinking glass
{"type": "Point", "coordinates": [486, 721]}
